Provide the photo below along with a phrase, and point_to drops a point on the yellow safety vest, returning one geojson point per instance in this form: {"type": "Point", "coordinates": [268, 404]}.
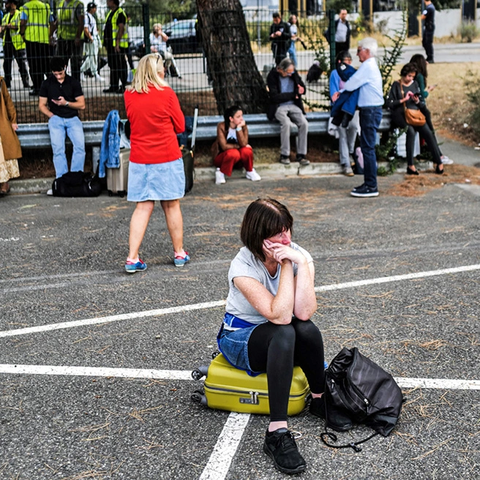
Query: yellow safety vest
{"type": "Point", "coordinates": [38, 21]}
{"type": "Point", "coordinates": [17, 40]}
{"type": "Point", "coordinates": [124, 39]}
{"type": "Point", "coordinates": [67, 20]}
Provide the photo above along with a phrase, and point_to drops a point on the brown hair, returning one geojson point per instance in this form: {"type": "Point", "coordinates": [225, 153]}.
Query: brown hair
{"type": "Point", "coordinates": [263, 219]}
{"type": "Point", "coordinates": [408, 68]}
{"type": "Point", "coordinates": [419, 61]}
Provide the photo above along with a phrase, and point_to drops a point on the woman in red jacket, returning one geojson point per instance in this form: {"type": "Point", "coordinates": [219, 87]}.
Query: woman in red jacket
{"type": "Point", "coordinates": [156, 167]}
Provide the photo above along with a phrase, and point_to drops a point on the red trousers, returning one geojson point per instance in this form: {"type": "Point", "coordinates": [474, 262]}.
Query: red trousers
{"type": "Point", "coordinates": [227, 159]}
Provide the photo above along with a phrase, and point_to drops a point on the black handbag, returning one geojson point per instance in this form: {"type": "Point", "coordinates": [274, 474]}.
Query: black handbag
{"type": "Point", "coordinates": [358, 390]}
{"type": "Point", "coordinates": [77, 184]}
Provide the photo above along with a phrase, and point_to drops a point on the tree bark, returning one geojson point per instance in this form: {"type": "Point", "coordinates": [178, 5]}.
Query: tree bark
{"type": "Point", "coordinates": [231, 63]}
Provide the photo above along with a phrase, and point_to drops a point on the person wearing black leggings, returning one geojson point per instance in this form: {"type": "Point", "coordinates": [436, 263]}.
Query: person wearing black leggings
{"type": "Point", "coordinates": [406, 94]}
{"type": "Point", "coordinates": [267, 326]}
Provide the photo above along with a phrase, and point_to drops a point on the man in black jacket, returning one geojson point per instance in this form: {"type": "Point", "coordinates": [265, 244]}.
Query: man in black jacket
{"type": "Point", "coordinates": [280, 37]}
{"type": "Point", "coordinates": [428, 17]}
{"type": "Point", "coordinates": [342, 32]}
{"type": "Point", "coordinates": [286, 89]}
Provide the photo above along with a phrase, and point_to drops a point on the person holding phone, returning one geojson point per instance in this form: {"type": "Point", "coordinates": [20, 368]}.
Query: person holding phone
{"type": "Point", "coordinates": [60, 99]}
{"type": "Point", "coordinates": [421, 78]}
{"type": "Point", "coordinates": [280, 37]}
{"type": "Point", "coordinates": [405, 93]}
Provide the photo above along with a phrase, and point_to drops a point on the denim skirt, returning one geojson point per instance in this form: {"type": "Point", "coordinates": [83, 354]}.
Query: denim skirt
{"type": "Point", "coordinates": [156, 181]}
{"type": "Point", "coordinates": [234, 347]}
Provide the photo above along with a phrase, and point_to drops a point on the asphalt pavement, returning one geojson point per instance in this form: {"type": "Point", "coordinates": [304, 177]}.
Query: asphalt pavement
{"type": "Point", "coordinates": [95, 364]}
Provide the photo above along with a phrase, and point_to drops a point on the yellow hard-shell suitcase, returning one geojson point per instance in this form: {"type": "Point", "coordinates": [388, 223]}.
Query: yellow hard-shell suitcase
{"type": "Point", "coordinates": [228, 388]}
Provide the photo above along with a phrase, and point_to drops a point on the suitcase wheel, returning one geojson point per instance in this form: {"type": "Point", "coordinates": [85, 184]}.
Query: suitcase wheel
{"type": "Point", "coordinates": [215, 354]}
{"type": "Point", "coordinates": [122, 194]}
{"type": "Point", "coordinates": [199, 397]}
{"type": "Point", "coordinates": [110, 193]}
{"type": "Point", "coordinates": [199, 372]}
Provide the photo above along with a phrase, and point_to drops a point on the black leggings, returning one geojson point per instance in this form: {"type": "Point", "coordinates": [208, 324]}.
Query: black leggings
{"type": "Point", "coordinates": [429, 138]}
{"type": "Point", "coordinates": [275, 349]}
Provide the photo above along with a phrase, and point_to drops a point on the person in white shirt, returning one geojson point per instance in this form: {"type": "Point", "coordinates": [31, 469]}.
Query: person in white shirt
{"type": "Point", "coordinates": [91, 45]}
{"type": "Point", "coordinates": [158, 44]}
{"type": "Point", "coordinates": [370, 100]}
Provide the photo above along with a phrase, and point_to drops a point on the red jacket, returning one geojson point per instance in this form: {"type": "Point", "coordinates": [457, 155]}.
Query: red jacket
{"type": "Point", "coordinates": [155, 120]}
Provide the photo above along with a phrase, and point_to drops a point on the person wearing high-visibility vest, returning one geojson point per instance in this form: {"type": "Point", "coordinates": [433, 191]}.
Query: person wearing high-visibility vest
{"type": "Point", "coordinates": [115, 39]}
{"type": "Point", "coordinates": [70, 22]}
{"type": "Point", "coordinates": [13, 44]}
{"type": "Point", "coordinates": [35, 21]}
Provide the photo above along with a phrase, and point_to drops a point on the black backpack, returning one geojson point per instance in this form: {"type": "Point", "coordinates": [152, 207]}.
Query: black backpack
{"type": "Point", "coordinates": [356, 388]}
{"type": "Point", "coordinates": [76, 184]}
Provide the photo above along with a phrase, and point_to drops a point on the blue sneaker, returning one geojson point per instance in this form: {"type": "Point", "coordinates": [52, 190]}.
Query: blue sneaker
{"type": "Point", "coordinates": [180, 261]}
{"type": "Point", "coordinates": [135, 267]}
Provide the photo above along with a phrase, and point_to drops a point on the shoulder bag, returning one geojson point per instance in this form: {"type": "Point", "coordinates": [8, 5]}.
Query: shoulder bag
{"type": "Point", "coordinates": [358, 390]}
{"type": "Point", "coordinates": [413, 117]}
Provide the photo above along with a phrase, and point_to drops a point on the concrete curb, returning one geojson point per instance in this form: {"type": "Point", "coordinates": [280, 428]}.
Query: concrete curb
{"type": "Point", "coordinates": [273, 170]}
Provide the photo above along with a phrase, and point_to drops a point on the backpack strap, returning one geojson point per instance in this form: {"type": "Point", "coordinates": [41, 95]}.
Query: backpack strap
{"type": "Point", "coordinates": [353, 445]}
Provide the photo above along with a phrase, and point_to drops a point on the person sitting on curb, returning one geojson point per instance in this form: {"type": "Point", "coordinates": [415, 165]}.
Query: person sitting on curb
{"type": "Point", "coordinates": [60, 99]}
{"type": "Point", "coordinates": [231, 146]}
{"type": "Point", "coordinates": [286, 89]}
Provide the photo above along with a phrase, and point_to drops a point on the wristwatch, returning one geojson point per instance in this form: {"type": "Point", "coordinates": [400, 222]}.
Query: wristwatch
{"type": "Point", "coordinates": [66, 104]}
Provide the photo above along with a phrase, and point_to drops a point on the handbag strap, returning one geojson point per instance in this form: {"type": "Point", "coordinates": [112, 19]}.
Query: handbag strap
{"type": "Point", "coordinates": [333, 437]}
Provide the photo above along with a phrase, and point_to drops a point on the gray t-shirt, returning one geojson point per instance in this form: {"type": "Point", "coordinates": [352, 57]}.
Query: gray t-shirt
{"type": "Point", "coordinates": [287, 85]}
{"type": "Point", "coordinates": [245, 264]}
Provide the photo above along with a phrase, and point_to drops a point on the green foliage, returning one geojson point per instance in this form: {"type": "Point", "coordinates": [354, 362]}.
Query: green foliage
{"type": "Point", "coordinates": [385, 151]}
{"type": "Point", "coordinates": [393, 54]}
{"type": "Point", "coordinates": [468, 31]}
{"type": "Point", "coordinates": [161, 11]}
{"type": "Point", "coordinates": [338, 5]}
{"type": "Point", "coordinates": [472, 90]}
{"type": "Point", "coordinates": [361, 26]}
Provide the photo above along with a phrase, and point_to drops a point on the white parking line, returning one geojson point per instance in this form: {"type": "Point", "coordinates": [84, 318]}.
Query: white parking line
{"type": "Point", "coordinates": [200, 306]}
{"type": "Point", "coordinates": [427, 383]}
{"type": "Point", "coordinates": [226, 447]}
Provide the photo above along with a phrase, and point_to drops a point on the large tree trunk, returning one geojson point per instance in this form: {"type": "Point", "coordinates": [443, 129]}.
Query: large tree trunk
{"type": "Point", "coordinates": [231, 64]}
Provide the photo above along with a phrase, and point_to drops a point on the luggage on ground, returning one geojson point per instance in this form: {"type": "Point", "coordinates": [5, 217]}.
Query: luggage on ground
{"type": "Point", "coordinates": [117, 178]}
{"type": "Point", "coordinates": [76, 184]}
{"type": "Point", "coordinates": [232, 389]}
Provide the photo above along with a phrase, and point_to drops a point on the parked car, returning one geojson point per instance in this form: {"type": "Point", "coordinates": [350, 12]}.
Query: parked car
{"type": "Point", "coordinates": [182, 36]}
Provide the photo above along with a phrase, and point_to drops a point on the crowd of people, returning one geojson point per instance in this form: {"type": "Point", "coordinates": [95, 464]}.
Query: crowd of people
{"type": "Point", "coordinates": [267, 326]}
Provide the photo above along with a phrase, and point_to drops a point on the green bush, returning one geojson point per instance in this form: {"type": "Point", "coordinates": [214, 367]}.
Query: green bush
{"type": "Point", "coordinates": [468, 32]}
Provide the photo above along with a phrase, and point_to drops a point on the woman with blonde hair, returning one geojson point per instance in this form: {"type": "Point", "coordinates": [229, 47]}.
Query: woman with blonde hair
{"type": "Point", "coordinates": [156, 167]}
{"type": "Point", "coordinates": [11, 150]}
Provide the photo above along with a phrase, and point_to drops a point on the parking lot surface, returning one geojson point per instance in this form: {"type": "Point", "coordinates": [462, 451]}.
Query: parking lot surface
{"type": "Point", "coordinates": [95, 364]}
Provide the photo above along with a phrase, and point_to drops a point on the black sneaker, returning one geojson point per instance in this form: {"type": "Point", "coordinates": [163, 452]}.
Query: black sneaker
{"type": "Point", "coordinates": [364, 191]}
{"type": "Point", "coordinates": [337, 420]}
{"type": "Point", "coordinates": [281, 447]}
{"type": "Point", "coordinates": [284, 159]}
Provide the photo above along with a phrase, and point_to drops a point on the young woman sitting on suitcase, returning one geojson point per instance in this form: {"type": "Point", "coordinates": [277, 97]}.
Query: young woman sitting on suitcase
{"type": "Point", "coordinates": [267, 327]}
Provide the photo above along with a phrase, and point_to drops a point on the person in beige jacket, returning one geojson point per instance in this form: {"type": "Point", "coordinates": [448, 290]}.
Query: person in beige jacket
{"type": "Point", "coordinates": [11, 150]}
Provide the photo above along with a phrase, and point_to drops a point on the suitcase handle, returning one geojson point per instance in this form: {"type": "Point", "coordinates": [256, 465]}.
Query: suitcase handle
{"type": "Point", "coordinates": [253, 400]}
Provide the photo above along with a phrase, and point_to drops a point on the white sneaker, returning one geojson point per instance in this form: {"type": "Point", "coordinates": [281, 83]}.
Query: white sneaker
{"type": "Point", "coordinates": [219, 177]}
{"type": "Point", "coordinates": [99, 78]}
{"type": "Point", "coordinates": [253, 176]}
{"type": "Point", "coordinates": [49, 191]}
{"type": "Point", "coordinates": [446, 160]}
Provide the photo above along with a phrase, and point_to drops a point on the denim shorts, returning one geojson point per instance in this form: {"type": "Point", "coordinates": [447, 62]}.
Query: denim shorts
{"type": "Point", "coordinates": [234, 347]}
{"type": "Point", "coordinates": [156, 181]}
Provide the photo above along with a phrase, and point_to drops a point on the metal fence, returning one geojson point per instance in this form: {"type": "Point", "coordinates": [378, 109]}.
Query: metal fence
{"type": "Point", "coordinates": [189, 74]}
